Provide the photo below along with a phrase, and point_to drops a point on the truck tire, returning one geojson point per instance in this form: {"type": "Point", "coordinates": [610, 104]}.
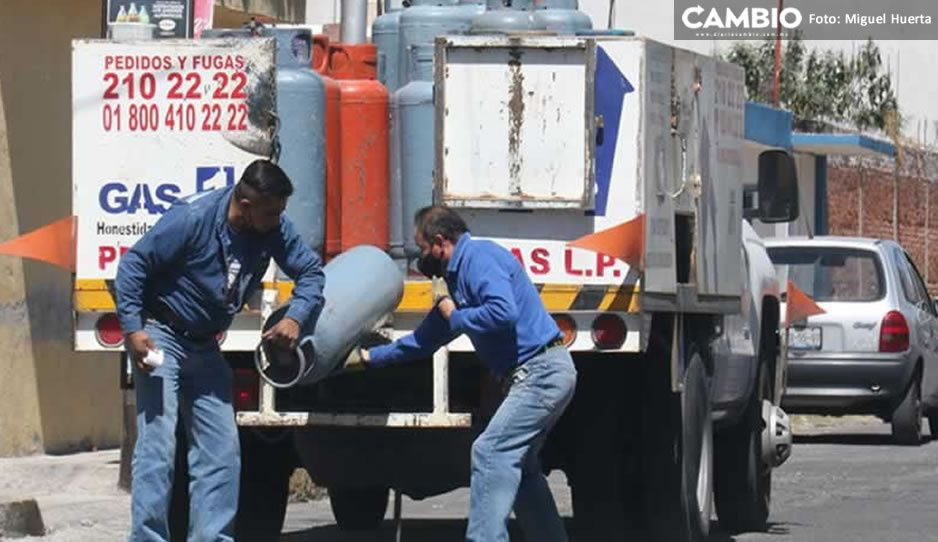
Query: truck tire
{"type": "Point", "coordinates": [743, 482]}
{"type": "Point", "coordinates": [907, 418]}
{"type": "Point", "coordinates": [360, 509]}
{"type": "Point", "coordinates": [267, 462]}
{"type": "Point", "coordinates": [678, 453]}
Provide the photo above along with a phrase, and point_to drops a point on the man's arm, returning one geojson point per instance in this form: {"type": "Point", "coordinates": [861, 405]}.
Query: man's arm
{"type": "Point", "coordinates": [301, 264]}
{"type": "Point", "coordinates": [497, 309]}
{"type": "Point", "coordinates": [430, 335]}
{"type": "Point", "coordinates": [160, 247]}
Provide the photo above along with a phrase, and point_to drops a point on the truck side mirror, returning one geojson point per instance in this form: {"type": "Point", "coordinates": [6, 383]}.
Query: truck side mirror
{"type": "Point", "coordinates": [778, 187]}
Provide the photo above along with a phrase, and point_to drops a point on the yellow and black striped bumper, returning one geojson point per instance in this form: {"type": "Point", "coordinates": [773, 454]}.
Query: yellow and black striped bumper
{"type": "Point", "coordinates": [98, 296]}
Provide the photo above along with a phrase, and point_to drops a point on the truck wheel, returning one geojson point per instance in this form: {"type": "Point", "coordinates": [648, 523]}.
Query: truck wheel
{"type": "Point", "coordinates": [360, 509]}
{"type": "Point", "coordinates": [907, 418]}
{"type": "Point", "coordinates": [743, 482]}
{"type": "Point", "coordinates": [679, 454]}
{"type": "Point", "coordinates": [267, 462]}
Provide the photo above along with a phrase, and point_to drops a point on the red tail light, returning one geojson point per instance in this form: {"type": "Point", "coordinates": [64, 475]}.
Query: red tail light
{"type": "Point", "coordinates": [246, 389]}
{"type": "Point", "coordinates": [108, 331]}
{"type": "Point", "coordinates": [608, 331]}
{"type": "Point", "coordinates": [567, 327]}
{"type": "Point", "coordinates": [894, 333]}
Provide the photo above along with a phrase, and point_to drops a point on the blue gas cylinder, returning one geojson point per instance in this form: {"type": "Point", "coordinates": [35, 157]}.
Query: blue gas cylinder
{"type": "Point", "coordinates": [396, 230]}
{"type": "Point", "coordinates": [362, 286]}
{"type": "Point", "coordinates": [422, 22]}
{"type": "Point", "coordinates": [417, 141]}
{"type": "Point", "coordinates": [562, 16]}
{"type": "Point", "coordinates": [502, 18]}
{"type": "Point", "coordinates": [385, 33]}
{"type": "Point", "coordinates": [301, 106]}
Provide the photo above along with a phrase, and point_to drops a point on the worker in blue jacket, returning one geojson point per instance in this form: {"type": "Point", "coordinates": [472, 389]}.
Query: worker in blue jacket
{"type": "Point", "coordinates": [494, 302]}
{"type": "Point", "coordinates": [179, 287]}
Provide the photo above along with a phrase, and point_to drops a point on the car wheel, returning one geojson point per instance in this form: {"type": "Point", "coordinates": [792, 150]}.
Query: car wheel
{"type": "Point", "coordinates": [907, 417]}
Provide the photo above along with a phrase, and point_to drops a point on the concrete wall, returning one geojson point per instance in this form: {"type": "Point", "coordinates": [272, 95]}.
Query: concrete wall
{"type": "Point", "coordinates": [51, 398]}
{"type": "Point", "coordinates": [20, 428]}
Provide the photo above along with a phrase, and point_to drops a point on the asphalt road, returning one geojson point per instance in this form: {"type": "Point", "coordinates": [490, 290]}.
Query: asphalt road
{"type": "Point", "coordinates": [843, 483]}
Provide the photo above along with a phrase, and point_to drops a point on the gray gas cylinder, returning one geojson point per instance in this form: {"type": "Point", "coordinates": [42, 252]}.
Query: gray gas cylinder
{"type": "Point", "coordinates": [501, 18]}
{"type": "Point", "coordinates": [301, 106]}
{"type": "Point", "coordinates": [396, 230]}
{"type": "Point", "coordinates": [422, 22]}
{"type": "Point", "coordinates": [470, 9]}
{"type": "Point", "coordinates": [562, 16]}
{"type": "Point", "coordinates": [385, 33]}
{"type": "Point", "coordinates": [362, 286]}
{"type": "Point", "coordinates": [417, 141]}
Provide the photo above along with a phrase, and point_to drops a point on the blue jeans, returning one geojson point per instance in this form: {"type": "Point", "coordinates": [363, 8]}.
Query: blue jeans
{"type": "Point", "coordinates": [506, 471]}
{"type": "Point", "coordinates": [194, 382]}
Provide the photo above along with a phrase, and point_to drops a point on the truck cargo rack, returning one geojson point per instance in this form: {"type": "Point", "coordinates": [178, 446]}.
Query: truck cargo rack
{"type": "Point", "coordinates": [268, 416]}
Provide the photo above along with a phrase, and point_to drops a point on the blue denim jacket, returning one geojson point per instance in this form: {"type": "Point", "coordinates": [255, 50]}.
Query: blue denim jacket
{"type": "Point", "coordinates": [187, 261]}
{"type": "Point", "coordinates": [497, 307]}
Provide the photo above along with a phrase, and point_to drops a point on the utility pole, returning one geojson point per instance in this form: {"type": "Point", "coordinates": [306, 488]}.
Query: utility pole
{"type": "Point", "coordinates": [778, 55]}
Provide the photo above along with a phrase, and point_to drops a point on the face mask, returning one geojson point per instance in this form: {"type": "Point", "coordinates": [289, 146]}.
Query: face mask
{"type": "Point", "coordinates": [430, 265]}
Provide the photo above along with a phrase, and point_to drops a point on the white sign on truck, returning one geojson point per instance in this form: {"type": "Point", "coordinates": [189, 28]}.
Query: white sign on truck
{"type": "Point", "coordinates": [155, 121]}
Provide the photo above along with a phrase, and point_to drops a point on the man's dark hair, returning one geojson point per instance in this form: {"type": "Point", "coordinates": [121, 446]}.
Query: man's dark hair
{"type": "Point", "coordinates": [263, 178]}
{"type": "Point", "coordinates": [438, 220]}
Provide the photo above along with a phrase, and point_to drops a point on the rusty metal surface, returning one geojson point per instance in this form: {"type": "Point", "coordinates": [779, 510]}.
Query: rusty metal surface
{"type": "Point", "coordinates": [391, 419]}
{"type": "Point", "coordinates": [513, 107]}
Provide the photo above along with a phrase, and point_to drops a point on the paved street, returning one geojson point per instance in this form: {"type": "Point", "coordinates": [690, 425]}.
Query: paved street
{"type": "Point", "coordinates": [844, 483]}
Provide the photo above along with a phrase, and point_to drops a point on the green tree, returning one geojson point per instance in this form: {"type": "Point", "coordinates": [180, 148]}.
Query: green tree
{"type": "Point", "coordinates": [821, 87]}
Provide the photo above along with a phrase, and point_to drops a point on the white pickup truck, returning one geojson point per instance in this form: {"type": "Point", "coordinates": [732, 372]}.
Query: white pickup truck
{"type": "Point", "coordinates": [541, 141]}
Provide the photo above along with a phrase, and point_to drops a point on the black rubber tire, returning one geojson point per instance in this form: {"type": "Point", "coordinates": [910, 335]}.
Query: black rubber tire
{"type": "Point", "coordinates": [267, 462]}
{"type": "Point", "coordinates": [360, 509]}
{"type": "Point", "coordinates": [742, 481]}
{"type": "Point", "coordinates": [678, 435]}
{"type": "Point", "coordinates": [907, 417]}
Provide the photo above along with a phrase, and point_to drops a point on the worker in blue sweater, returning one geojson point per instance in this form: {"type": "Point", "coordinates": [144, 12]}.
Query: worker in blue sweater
{"type": "Point", "coordinates": [494, 302]}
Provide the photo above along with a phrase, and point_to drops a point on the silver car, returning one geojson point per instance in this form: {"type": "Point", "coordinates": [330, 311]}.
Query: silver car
{"type": "Point", "coordinates": [875, 350]}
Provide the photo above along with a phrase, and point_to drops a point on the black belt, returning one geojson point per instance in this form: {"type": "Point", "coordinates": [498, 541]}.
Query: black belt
{"type": "Point", "coordinates": [552, 344]}
{"type": "Point", "coordinates": [514, 373]}
{"type": "Point", "coordinates": [166, 316]}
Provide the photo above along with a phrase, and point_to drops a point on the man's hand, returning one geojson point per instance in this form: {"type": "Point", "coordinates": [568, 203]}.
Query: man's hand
{"type": "Point", "coordinates": [285, 333]}
{"type": "Point", "coordinates": [357, 360]}
{"type": "Point", "coordinates": [446, 307]}
{"type": "Point", "coordinates": [139, 344]}
{"type": "Point", "coordinates": [439, 289]}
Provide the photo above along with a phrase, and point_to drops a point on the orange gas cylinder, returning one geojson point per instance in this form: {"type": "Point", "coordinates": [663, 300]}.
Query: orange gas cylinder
{"type": "Point", "coordinates": [333, 227]}
{"type": "Point", "coordinates": [321, 53]}
{"type": "Point", "coordinates": [364, 145]}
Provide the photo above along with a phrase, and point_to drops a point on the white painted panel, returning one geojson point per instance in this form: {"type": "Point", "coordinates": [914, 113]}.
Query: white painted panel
{"type": "Point", "coordinates": [516, 125]}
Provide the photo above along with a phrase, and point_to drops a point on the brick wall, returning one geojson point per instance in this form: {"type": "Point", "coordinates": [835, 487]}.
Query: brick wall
{"type": "Point", "coordinates": [889, 199]}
